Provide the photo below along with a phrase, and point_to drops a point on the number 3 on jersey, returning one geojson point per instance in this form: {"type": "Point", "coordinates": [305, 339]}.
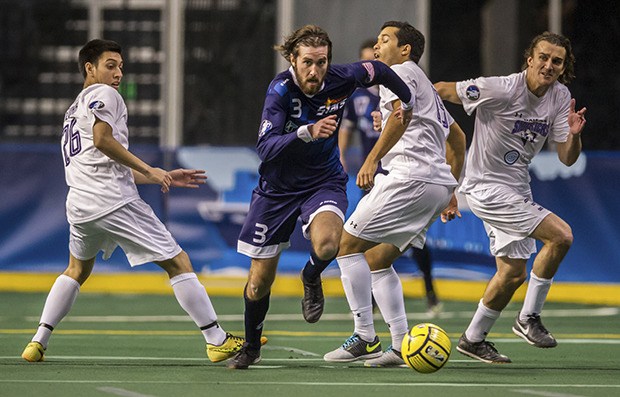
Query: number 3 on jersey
{"type": "Point", "coordinates": [71, 140]}
{"type": "Point", "coordinates": [261, 233]}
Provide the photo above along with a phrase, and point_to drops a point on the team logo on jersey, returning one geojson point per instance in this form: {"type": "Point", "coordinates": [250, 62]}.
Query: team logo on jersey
{"type": "Point", "coordinates": [371, 71]}
{"type": "Point", "coordinates": [472, 93]}
{"type": "Point", "coordinates": [264, 127]}
{"type": "Point", "coordinates": [331, 106]}
{"type": "Point", "coordinates": [529, 130]}
{"type": "Point", "coordinates": [281, 87]}
{"type": "Point", "coordinates": [511, 157]}
{"type": "Point", "coordinates": [290, 127]}
{"type": "Point", "coordinates": [96, 105]}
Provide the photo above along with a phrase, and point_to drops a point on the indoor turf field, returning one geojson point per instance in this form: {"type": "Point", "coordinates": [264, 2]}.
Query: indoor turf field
{"type": "Point", "coordinates": [145, 345]}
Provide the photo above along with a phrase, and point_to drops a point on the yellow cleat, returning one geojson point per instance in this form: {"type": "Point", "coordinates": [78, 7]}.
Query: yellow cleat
{"type": "Point", "coordinates": [231, 346]}
{"type": "Point", "coordinates": [34, 352]}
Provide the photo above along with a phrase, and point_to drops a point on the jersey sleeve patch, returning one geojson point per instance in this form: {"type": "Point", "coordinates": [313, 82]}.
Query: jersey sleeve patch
{"type": "Point", "coordinates": [265, 126]}
{"type": "Point", "coordinates": [96, 105]}
{"type": "Point", "coordinates": [472, 92]}
{"type": "Point", "coordinates": [371, 71]}
{"type": "Point", "coordinates": [281, 88]}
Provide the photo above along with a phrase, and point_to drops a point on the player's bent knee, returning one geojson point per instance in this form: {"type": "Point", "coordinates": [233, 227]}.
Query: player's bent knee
{"type": "Point", "coordinates": [519, 279]}
{"type": "Point", "coordinates": [327, 252]}
{"type": "Point", "coordinates": [256, 290]}
{"type": "Point", "coordinates": [565, 239]}
{"type": "Point", "coordinates": [513, 276]}
{"type": "Point", "coordinates": [178, 265]}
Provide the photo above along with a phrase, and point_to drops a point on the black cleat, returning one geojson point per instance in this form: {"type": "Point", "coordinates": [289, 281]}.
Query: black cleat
{"type": "Point", "coordinates": [244, 358]}
{"type": "Point", "coordinates": [313, 301]}
{"type": "Point", "coordinates": [483, 351]}
{"type": "Point", "coordinates": [534, 332]}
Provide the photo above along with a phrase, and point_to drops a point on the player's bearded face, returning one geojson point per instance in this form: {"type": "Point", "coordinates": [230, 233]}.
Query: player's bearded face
{"type": "Point", "coordinates": [108, 70]}
{"type": "Point", "coordinates": [310, 67]}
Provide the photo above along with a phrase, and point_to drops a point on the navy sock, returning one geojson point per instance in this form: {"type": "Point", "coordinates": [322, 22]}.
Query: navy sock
{"type": "Point", "coordinates": [255, 313]}
{"type": "Point", "coordinates": [422, 257]}
{"type": "Point", "coordinates": [315, 266]}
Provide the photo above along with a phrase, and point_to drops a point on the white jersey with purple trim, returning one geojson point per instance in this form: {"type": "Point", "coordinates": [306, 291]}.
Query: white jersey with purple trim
{"type": "Point", "coordinates": [511, 127]}
{"type": "Point", "coordinates": [420, 154]}
{"type": "Point", "coordinates": [97, 184]}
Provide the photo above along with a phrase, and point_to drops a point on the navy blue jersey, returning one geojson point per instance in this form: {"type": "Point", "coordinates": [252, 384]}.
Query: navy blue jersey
{"type": "Point", "coordinates": [290, 165]}
{"type": "Point", "coordinates": [358, 111]}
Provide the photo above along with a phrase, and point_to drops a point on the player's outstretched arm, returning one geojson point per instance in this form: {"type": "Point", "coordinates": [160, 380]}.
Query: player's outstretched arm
{"type": "Point", "coordinates": [143, 173]}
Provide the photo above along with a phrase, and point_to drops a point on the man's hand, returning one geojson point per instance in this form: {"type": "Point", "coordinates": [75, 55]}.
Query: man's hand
{"type": "Point", "coordinates": [376, 120]}
{"type": "Point", "coordinates": [404, 116]}
{"type": "Point", "coordinates": [187, 178]}
{"type": "Point", "coordinates": [452, 211]}
{"type": "Point", "coordinates": [576, 120]}
{"type": "Point", "coordinates": [323, 128]}
{"type": "Point", "coordinates": [161, 177]}
{"type": "Point", "coordinates": [366, 175]}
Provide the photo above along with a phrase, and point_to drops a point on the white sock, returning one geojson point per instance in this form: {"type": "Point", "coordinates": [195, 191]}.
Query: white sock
{"type": "Point", "coordinates": [481, 324]}
{"type": "Point", "coordinates": [356, 281]}
{"type": "Point", "coordinates": [59, 301]}
{"type": "Point", "coordinates": [388, 292]}
{"type": "Point", "coordinates": [194, 299]}
{"type": "Point", "coordinates": [537, 290]}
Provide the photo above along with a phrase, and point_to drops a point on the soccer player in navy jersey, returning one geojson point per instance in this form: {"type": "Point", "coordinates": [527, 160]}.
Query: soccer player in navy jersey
{"type": "Point", "coordinates": [300, 173]}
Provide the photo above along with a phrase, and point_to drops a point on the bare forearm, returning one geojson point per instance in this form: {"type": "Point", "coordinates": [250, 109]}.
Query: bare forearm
{"type": "Point", "coordinates": [569, 151]}
{"type": "Point", "coordinates": [105, 142]}
{"type": "Point", "coordinates": [455, 150]}
{"type": "Point", "coordinates": [447, 92]}
{"type": "Point", "coordinates": [392, 132]}
{"type": "Point", "coordinates": [455, 160]}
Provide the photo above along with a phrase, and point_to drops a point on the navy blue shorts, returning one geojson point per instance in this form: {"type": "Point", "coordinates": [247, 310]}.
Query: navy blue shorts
{"type": "Point", "coordinates": [272, 217]}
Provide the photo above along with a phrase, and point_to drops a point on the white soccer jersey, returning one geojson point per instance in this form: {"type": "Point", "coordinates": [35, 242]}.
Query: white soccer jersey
{"type": "Point", "coordinates": [421, 152]}
{"type": "Point", "coordinates": [97, 184]}
{"type": "Point", "coordinates": [511, 127]}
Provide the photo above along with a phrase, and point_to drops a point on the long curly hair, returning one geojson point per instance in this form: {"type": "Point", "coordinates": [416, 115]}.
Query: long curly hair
{"type": "Point", "coordinates": [560, 41]}
{"type": "Point", "coordinates": [308, 35]}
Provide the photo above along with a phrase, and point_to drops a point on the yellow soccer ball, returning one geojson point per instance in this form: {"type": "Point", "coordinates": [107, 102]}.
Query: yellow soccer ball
{"type": "Point", "coordinates": [426, 348]}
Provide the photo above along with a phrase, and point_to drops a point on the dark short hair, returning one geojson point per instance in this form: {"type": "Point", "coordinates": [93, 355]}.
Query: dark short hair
{"type": "Point", "coordinates": [308, 35]}
{"type": "Point", "coordinates": [407, 34]}
{"type": "Point", "coordinates": [92, 51]}
{"type": "Point", "coordinates": [560, 41]}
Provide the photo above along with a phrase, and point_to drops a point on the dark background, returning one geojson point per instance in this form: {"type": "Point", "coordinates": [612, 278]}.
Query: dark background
{"type": "Point", "coordinates": [229, 63]}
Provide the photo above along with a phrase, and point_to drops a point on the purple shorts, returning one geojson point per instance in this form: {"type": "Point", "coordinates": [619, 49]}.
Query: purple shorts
{"type": "Point", "coordinates": [272, 217]}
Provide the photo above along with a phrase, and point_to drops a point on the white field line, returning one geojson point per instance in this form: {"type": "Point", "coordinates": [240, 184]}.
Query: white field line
{"type": "Point", "coordinates": [122, 392]}
{"type": "Point", "coordinates": [599, 312]}
{"type": "Point", "coordinates": [348, 384]}
{"type": "Point", "coordinates": [545, 393]}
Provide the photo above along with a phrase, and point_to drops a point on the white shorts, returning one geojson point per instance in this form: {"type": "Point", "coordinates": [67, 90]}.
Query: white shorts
{"type": "Point", "coordinates": [398, 211]}
{"type": "Point", "coordinates": [509, 218]}
{"type": "Point", "coordinates": [134, 227]}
